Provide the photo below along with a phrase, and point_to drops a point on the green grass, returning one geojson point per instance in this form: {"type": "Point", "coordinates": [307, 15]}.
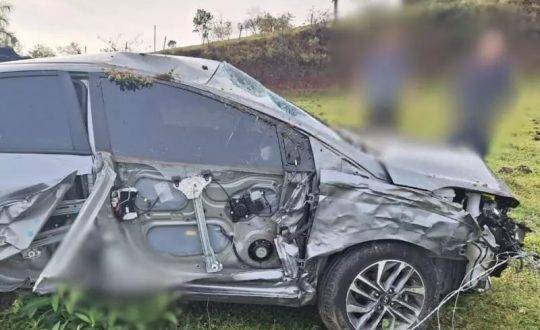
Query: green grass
{"type": "Point", "coordinates": [231, 42]}
{"type": "Point", "coordinates": [513, 302]}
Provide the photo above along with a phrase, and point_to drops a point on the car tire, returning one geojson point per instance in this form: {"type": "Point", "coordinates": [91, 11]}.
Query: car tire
{"type": "Point", "coordinates": [342, 299]}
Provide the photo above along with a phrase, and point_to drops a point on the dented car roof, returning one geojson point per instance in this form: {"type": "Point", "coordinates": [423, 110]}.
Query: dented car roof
{"type": "Point", "coordinates": [188, 69]}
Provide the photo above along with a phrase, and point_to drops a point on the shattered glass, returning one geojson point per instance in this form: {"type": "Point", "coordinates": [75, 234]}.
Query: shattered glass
{"type": "Point", "coordinates": [230, 80]}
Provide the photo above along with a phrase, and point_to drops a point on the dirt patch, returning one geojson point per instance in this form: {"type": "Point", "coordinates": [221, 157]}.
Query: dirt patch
{"type": "Point", "coordinates": [523, 169]}
{"type": "Point", "coordinates": [506, 170]}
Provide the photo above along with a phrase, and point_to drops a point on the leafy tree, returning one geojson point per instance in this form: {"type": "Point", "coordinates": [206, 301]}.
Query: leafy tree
{"type": "Point", "coordinates": [221, 29]}
{"type": "Point", "coordinates": [40, 50]}
{"type": "Point", "coordinates": [283, 22]}
{"type": "Point", "coordinates": [6, 37]}
{"type": "Point", "coordinates": [252, 24]}
{"type": "Point", "coordinates": [202, 23]}
{"type": "Point", "coordinates": [73, 48]}
{"type": "Point", "coordinates": [267, 23]}
{"type": "Point", "coordinates": [270, 24]}
{"type": "Point", "coordinates": [171, 43]}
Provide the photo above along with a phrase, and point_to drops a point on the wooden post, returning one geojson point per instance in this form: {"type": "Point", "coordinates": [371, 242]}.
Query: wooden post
{"type": "Point", "coordinates": [154, 38]}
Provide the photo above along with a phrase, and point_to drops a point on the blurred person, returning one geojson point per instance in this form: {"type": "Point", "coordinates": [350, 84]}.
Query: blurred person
{"type": "Point", "coordinates": [484, 83]}
{"type": "Point", "coordinates": [384, 71]}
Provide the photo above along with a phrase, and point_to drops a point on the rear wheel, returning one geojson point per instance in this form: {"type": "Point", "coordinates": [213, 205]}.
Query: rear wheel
{"type": "Point", "coordinates": [378, 286]}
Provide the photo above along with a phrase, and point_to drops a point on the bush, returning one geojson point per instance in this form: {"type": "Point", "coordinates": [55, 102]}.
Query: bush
{"type": "Point", "coordinates": [74, 309]}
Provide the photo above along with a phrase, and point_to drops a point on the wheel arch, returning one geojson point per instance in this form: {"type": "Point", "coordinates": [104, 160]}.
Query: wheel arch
{"type": "Point", "coordinates": [449, 270]}
{"type": "Point", "coordinates": [331, 258]}
{"type": "Point", "coordinates": [337, 270]}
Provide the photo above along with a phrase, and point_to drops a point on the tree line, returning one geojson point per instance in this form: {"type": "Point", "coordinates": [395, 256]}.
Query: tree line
{"type": "Point", "coordinates": [209, 27]}
{"type": "Point", "coordinates": [212, 28]}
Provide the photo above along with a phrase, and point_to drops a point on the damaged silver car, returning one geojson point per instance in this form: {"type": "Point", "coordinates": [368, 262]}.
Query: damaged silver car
{"type": "Point", "coordinates": [134, 172]}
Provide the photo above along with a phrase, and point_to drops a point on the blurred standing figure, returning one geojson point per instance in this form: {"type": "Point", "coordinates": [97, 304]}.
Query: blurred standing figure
{"type": "Point", "coordinates": [484, 83]}
{"type": "Point", "coordinates": [384, 72]}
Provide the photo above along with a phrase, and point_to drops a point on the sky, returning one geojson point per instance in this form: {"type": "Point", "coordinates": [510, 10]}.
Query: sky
{"type": "Point", "coordinates": [58, 22]}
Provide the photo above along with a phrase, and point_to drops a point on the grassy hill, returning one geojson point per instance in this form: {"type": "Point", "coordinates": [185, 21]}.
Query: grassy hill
{"type": "Point", "coordinates": [296, 59]}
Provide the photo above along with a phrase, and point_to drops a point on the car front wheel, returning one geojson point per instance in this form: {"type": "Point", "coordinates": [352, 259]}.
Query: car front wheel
{"type": "Point", "coordinates": [378, 286]}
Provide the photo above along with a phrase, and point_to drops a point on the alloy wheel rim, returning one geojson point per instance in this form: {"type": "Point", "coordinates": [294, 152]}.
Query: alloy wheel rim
{"type": "Point", "coordinates": [388, 294]}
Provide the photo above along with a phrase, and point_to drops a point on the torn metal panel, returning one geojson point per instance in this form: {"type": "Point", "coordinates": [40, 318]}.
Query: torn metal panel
{"type": "Point", "coordinates": [67, 255]}
{"type": "Point", "coordinates": [25, 217]}
{"type": "Point", "coordinates": [293, 200]}
{"type": "Point", "coordinates": [289, 218]}
{"type": "Point", "coordinates": [32, 187]}
{"type": "Point", "coordinates": [18, 172]}
{"type": "Point", "coordinates": [289, 255]}
{"type": "Point", "coordinates": [352, 210]}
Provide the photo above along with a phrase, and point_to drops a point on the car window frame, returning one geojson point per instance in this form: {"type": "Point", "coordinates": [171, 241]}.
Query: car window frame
{"type": "Point", "coordinates": [101, 128]}
{"type": "Point", "coordinates": [77, 129]}
{"type": "Point", "coordinates": [302, 149]}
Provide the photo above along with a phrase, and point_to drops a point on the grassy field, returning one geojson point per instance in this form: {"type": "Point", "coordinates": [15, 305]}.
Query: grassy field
{"type": "Point", "coordinates": [514, 301]}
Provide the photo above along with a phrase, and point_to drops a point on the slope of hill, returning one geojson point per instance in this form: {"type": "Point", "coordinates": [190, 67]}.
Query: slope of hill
{"type": "Point", "coordinates": [295, 59]}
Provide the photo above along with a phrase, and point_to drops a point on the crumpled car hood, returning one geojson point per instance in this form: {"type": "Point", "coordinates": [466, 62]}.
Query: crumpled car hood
{"type": "Point", "coordinates": [432, 167]}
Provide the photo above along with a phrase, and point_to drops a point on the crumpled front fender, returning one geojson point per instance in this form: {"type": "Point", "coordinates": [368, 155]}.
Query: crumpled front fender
{"type": "Point", "coordinates": [353, 210]}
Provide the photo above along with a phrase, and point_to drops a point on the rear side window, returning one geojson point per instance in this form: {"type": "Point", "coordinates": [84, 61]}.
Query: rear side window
{"type": "Point", "coordinates": [40, 113]}
{"type": "Point", "coordinates": [166, 123]}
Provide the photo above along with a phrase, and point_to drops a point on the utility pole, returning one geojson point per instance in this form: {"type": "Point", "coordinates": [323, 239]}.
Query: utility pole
{"type": "Point", "coordinates": [335, 9]}
{"type": "Point", "coordinates": [164, 42]}
{"type": "Point", "coordinates": [154, 38]}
